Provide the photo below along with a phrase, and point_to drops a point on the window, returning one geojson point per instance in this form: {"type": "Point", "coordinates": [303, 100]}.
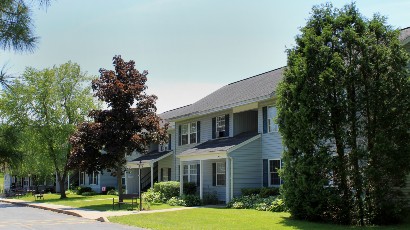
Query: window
{"type": "Point", "coordinates": [165, 176]}
{"type": "Point", "coordinates": [82, 178]}
{"type": "Point", "coordinates": [272, 126]}
{"type": "Point", "coordinates": [93, 178]}
{"type": "Point", "coordinates": [220, 173]}
{"type": "Point", "coordinates": [188, 133]}
{"type": "Point", "coordinates": [190, 173]}
{"type": "Point", "coordinates": [220, 126]}
{"type": "Point", "coordinates": [274, 166]}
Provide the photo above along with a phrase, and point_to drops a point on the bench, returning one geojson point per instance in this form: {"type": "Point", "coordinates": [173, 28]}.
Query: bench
{"type": "Point", "coordinates": [39, 195]}
{"type": "Point", "coordinates": [133, 202]}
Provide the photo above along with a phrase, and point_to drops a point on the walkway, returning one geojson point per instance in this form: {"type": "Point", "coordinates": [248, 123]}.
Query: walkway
{"type": "Point", "coordinates": [85, 213]}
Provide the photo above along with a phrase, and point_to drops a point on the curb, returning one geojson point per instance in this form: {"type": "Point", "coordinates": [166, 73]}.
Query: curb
{"type": "Point", "coordinates": [71, 213]}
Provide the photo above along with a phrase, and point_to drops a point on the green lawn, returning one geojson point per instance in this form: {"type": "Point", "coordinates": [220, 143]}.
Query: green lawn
{"type": "Point", "coordinates": [97, 202]}
{"type": "Point", "coordinates": [221, 218]}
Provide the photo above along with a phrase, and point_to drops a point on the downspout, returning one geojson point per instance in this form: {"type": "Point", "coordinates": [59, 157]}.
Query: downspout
{"type": "Point", "coordinates": [231, 181]}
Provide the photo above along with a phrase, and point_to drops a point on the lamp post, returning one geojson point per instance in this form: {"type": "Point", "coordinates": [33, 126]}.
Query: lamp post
{"type": "Point", "coordinates": [139, 184]}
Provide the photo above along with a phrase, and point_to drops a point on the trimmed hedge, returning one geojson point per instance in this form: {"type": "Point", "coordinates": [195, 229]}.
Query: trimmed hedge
{"type": "Point", "coordinates": [81, 190]}
{"type": "Point", "coordinates": [167, 189]}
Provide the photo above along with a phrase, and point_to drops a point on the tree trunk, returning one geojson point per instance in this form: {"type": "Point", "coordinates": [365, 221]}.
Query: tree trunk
{"type": "Point", "coordinates": [61, 181]}
{"type": "Point", "coordinates": [119, 183]}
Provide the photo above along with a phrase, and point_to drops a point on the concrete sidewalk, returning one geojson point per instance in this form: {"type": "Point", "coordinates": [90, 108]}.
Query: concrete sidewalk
{"type": "Point", "coordinates": [85, 213]}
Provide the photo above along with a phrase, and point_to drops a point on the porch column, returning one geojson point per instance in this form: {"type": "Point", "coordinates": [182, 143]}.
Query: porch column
{"type": "Point", "coordinates": [201, 179]}
{"type": "Point", "coordinates": [227, 180]}
{"type": "Point", "coordinates": [152, 175]}
{"type": "Point", "coordinates": [181, 177]}
{"type": "Point", "coordinates": [126, 184]}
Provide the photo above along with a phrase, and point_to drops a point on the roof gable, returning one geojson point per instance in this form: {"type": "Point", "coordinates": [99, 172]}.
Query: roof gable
{"type": "Point", "coordinates": [245, 91]}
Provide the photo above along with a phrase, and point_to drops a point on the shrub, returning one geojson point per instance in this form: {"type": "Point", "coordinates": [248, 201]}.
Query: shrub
{"type": "Point", "coordinates": [189, 188]}
{"type": "Point", "coordinates": [210, 198]}
{"type": "Point", "coordinates": [81, 190]}
{"type": "Point", "coordinates": [107, 189]}
{"type": "Point", "coordinates": [250, 191]}
{"type": "Point", "coordinates": [92, 193]}
{"type": "Point", "coordinates": [278, 205]}
{"type": "Point", "coordinates": [264, 192]}
{"type": "Point", "coordinates": [151, 196]}
{"type": "Point", "coordinates": [112, 192]}
{"type": "Point", "coordinates": [272, 203]}
{"type": "Point", "coordinates": [167, 189]}
{"type": "Point", "coordinates": [192, 200]}
{"type": "Point", "coordinates": [176, 201]}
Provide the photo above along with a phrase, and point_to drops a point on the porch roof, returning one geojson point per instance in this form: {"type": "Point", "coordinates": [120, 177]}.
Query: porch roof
{"type": "Point", "coordinates": [221, 145]}
{"type": "Point", "coordinates": [152, 156]}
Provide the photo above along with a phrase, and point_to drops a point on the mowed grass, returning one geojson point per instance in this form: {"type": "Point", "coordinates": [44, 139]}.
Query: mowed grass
{"type": "Point", "coordinates": [97, 202]}
{"type": "Point", "coordinates": [221, 218]}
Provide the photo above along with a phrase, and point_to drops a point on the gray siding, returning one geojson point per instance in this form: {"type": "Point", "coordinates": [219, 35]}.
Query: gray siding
{"type": "Point", "coordinates": [167, 162]}
{"type": "Point", "coordinates": [207, 180]}
{"type": "Point", "coordinates": [247, 168]}
{"type": "Point", "coordinates": [271, 142]}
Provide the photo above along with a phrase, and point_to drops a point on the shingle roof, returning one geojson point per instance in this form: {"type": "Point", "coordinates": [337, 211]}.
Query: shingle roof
{"type": "Point", "coordinates": [219, 145]}
{"type": "Point", "coordinates": [404, 33]}
{"type": "Point", "coordinates": [151, 156]}
{"type": "Point", "coordinates": [245, 91]}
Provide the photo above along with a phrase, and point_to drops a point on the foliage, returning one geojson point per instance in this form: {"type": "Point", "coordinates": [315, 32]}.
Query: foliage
{"type": "Point", "coordinates": [10, 140]}
{"type": "Point", "coordinates": [264, 192]}
{"type": "Point", "coordinates": [189, 188]}
{"type": "Point", "coordinates": [108, 189]}
{"type": "Point", "coordinates": [210, 198]}
{"type": "Point", "coordinates": [272, 203]}
{"type": "Point", "coordinates": [191, 200]}
{"type": "Point", "coordinates": [16, 25]}
{"type": "Point", "coordinates": [131, 119]}
{"type": "Point", "coordinates": [112, 192]}
{"type": "Point", "coordinates": [46, 105]}
{"type": "Point", "coordinates": [167, 189]}
{"type": "Point", "coordinates": [151, 196]}
{"type": "Point", "coordinates": [176, 201]}
{"type": "Point", "coordinates": [343, 112]}
{"type": "Point", "coordinates": [92, 193]}
{"type": "Point", "coordinates": [80, 190]}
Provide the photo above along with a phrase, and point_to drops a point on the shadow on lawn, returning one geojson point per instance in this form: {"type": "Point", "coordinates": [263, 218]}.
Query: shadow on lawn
{"type": "Point", "coordinates": [302, 225]}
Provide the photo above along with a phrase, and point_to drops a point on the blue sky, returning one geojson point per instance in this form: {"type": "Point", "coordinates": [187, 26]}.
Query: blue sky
{"type": "Point", "coordinates": [189, 47]}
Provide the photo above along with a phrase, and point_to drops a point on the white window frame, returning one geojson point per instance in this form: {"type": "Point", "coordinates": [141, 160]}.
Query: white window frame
{"type": "Point", "coordinates": [94, 178]}
{"type": "Point", "coordinates": [189, 132]}
{"type": "Point", "coordinates": [271, 116]}
{"type": "Point", "coordinates": [271, 172]}
{"type": "Point", "coordinates": [220, 173]}
{"type": "Point", "coordinates": [165, 176]}
{"type": "Point", "coordinates": [219, 125]}
{"type": "Point", "coordinates": [82, 178]}
{"type": "Point", "coordinates": [190, 173]}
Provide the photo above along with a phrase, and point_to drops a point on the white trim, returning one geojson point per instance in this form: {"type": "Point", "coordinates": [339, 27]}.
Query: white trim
{"type": "Point", "coordinates": [201, 179]}
{"type": "Point", "coordinates": [146, 163]}
{"type": "Point", "coordinates": [204, 156]}
{"type": "Point", "coordinates": [269, 172]}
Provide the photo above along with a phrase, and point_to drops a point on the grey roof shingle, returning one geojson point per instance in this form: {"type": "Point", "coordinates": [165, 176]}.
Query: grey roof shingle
{"type": "Point", "coordinates": [245, 91]}
{"type": "Point", "coordinates": [219, 145]}
{"type": "Point", "coordinates": [151, 156]}
{"type": "Point", "coordinates": [404, 34]}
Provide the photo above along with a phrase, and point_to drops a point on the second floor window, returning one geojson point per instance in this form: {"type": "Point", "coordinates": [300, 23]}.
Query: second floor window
{"type": "Point", "coordinates": [272, 126]}
{"type": "Point", "coordinates": [188, 133]}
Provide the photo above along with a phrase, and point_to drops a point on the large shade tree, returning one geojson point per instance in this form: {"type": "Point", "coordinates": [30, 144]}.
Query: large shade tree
{"type": "Point", "coordinates": [129, 124]}
{"type": "Point", "coordinates": [344, 113]}
{"type": "Point", "coordinates": [47, 105]}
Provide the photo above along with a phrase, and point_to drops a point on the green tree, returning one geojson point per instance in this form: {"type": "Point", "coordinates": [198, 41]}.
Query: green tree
{"type": "Point", "coordinates": [130, 124]}
{"type": "Point", "coordinates": [344, 113]}
{"type": "Point", "coordinates": [16, 28]}
{"type": "Point", "coordinates": [48, 104]}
